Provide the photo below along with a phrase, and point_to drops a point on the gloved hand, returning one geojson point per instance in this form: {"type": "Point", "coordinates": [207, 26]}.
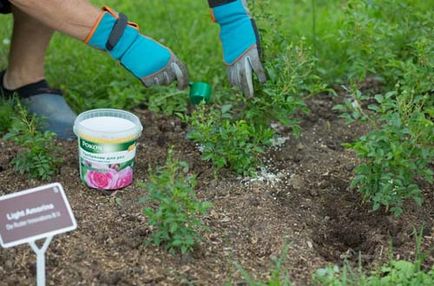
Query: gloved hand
{"type": "Point", "coordinates": [241, 44]}
{"type": "Point", "coordinates": [148, 60]}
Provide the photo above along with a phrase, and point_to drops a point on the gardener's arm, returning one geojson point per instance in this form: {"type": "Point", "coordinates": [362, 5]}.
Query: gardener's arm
{"type": "Point", "coordinates": [241, 43]}
{"type": "Point", "coordinates": [151, 62]}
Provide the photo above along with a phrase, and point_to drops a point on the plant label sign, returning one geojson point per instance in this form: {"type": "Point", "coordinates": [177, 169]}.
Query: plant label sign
{"type": "Point", "coordinates": [34, 214]}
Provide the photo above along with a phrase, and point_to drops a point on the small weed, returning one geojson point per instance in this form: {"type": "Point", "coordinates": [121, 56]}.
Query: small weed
{"type": "Point", "coordinates": [39, 155]}
{"type": "Point", "coordinates": [172, 207]}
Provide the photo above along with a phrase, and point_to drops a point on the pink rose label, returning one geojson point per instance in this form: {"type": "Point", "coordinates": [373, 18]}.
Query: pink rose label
{"type": "Point", "coordinates": [110, 180]}
{"type": "Point", "coordinates": [124, 178]}
{"type": "Point", "coordinates": [101, 180]}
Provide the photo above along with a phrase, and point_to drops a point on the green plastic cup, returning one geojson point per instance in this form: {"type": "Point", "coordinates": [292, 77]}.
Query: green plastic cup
{"type": "Point", "coordinates": [200, 91]}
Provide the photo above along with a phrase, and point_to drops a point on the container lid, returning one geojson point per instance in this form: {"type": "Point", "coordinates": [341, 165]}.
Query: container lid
{"type": "Point", "coordinates": [107, 125]}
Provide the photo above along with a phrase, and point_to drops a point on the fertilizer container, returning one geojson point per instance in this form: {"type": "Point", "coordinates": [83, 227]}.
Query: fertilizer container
{"type": "Point", "coordinates": [107, 147]}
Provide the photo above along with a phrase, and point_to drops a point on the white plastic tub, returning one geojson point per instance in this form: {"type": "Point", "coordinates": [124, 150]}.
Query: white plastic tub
{"type": "Point", "coordinates": [107, 147]}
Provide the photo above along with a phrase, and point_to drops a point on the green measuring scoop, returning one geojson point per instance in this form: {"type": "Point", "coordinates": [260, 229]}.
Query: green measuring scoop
{"type": "Point", "coordinates": [200, 91]}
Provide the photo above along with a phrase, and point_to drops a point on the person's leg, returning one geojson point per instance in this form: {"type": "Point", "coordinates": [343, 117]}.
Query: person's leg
{"type": "Point", "coordinates": [30, 39]}
{"type": "Point", "coordinates": [25, 75]}
{"type": "Point", "coordinates": [72, 17]}
{"type": "Point", "coordinates": [34, 22]}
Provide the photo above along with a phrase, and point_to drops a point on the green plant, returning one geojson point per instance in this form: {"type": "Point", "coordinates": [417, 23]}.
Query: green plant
{"type": "Point", "coordinates": [339, 276]}
{"type": "Point", "coordinates": [6, 113]}
{"type": "Point", "coordinates": [291, 77]}
{"type": "Point", "coordinates": [172, 207]}
{"type": "Point", "coordinates": [236, 134]}
{"type": "Point", "coordinates": [381, 38]}
{"type": "Point", "coordinates": [39, 155]}
{"type": "Point", "coordinates": [278, 276]}
{"type": "Point", "coordinates": [375, 34]}
{"type": "Point", "coordinates": [227, 142]}
{"type": "Point", "coordinates": [396, 151]}
{"type": "Point", "coordinates": [168, 101]}
{"type": "Point", "coordinates": [246, 121]}
{"type": "Point", "coordinates": [395, 272]}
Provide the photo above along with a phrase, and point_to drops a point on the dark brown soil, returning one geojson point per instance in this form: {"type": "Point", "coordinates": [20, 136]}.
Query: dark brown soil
{"type": "Point", "coordinates": [311, 207]}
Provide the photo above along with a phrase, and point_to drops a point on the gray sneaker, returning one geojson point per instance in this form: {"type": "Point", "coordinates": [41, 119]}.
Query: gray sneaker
{"type": "Point", "coordinates": [47, 103]}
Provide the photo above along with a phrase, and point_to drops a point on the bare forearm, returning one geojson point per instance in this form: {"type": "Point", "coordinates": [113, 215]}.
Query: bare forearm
{"type": "Point", "coordinates": [72, 17]}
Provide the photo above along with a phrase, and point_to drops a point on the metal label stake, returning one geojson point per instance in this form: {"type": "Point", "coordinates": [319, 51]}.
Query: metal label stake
{"type": "Point", "coordinates": [40, 260]}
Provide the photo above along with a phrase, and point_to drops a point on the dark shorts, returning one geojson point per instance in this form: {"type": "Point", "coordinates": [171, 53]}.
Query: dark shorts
{"type": "Point", "coordinates": [5, 7]}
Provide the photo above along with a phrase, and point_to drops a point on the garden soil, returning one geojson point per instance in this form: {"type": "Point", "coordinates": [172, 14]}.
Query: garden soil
{"type": "Point", "coordinates": [302, 198]}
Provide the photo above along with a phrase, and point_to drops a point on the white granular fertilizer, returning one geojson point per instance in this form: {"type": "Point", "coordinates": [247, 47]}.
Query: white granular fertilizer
{"type": "Point", "coordinates": [265, 177]}
{"type": "Point", "coordinates": [107, 124]}
{"type": "Point", "coordinates": [279, 141]}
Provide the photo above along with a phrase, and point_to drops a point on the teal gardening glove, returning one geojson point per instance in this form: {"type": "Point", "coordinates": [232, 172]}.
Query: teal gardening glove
{"type": "Point", "coordinates": [148, 60]}
{"type": "Point", "coordinates": [241, 43]}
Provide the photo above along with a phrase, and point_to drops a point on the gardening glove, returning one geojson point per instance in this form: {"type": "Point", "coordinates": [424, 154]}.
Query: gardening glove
{"type": "Point", "coordinates": [241, 44]}
{"type": "Point", "coordinates": [148, 60]}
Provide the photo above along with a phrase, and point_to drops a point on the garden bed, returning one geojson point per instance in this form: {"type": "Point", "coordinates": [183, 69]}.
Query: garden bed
{"type": "Point", "coordinates": [302, 198]}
